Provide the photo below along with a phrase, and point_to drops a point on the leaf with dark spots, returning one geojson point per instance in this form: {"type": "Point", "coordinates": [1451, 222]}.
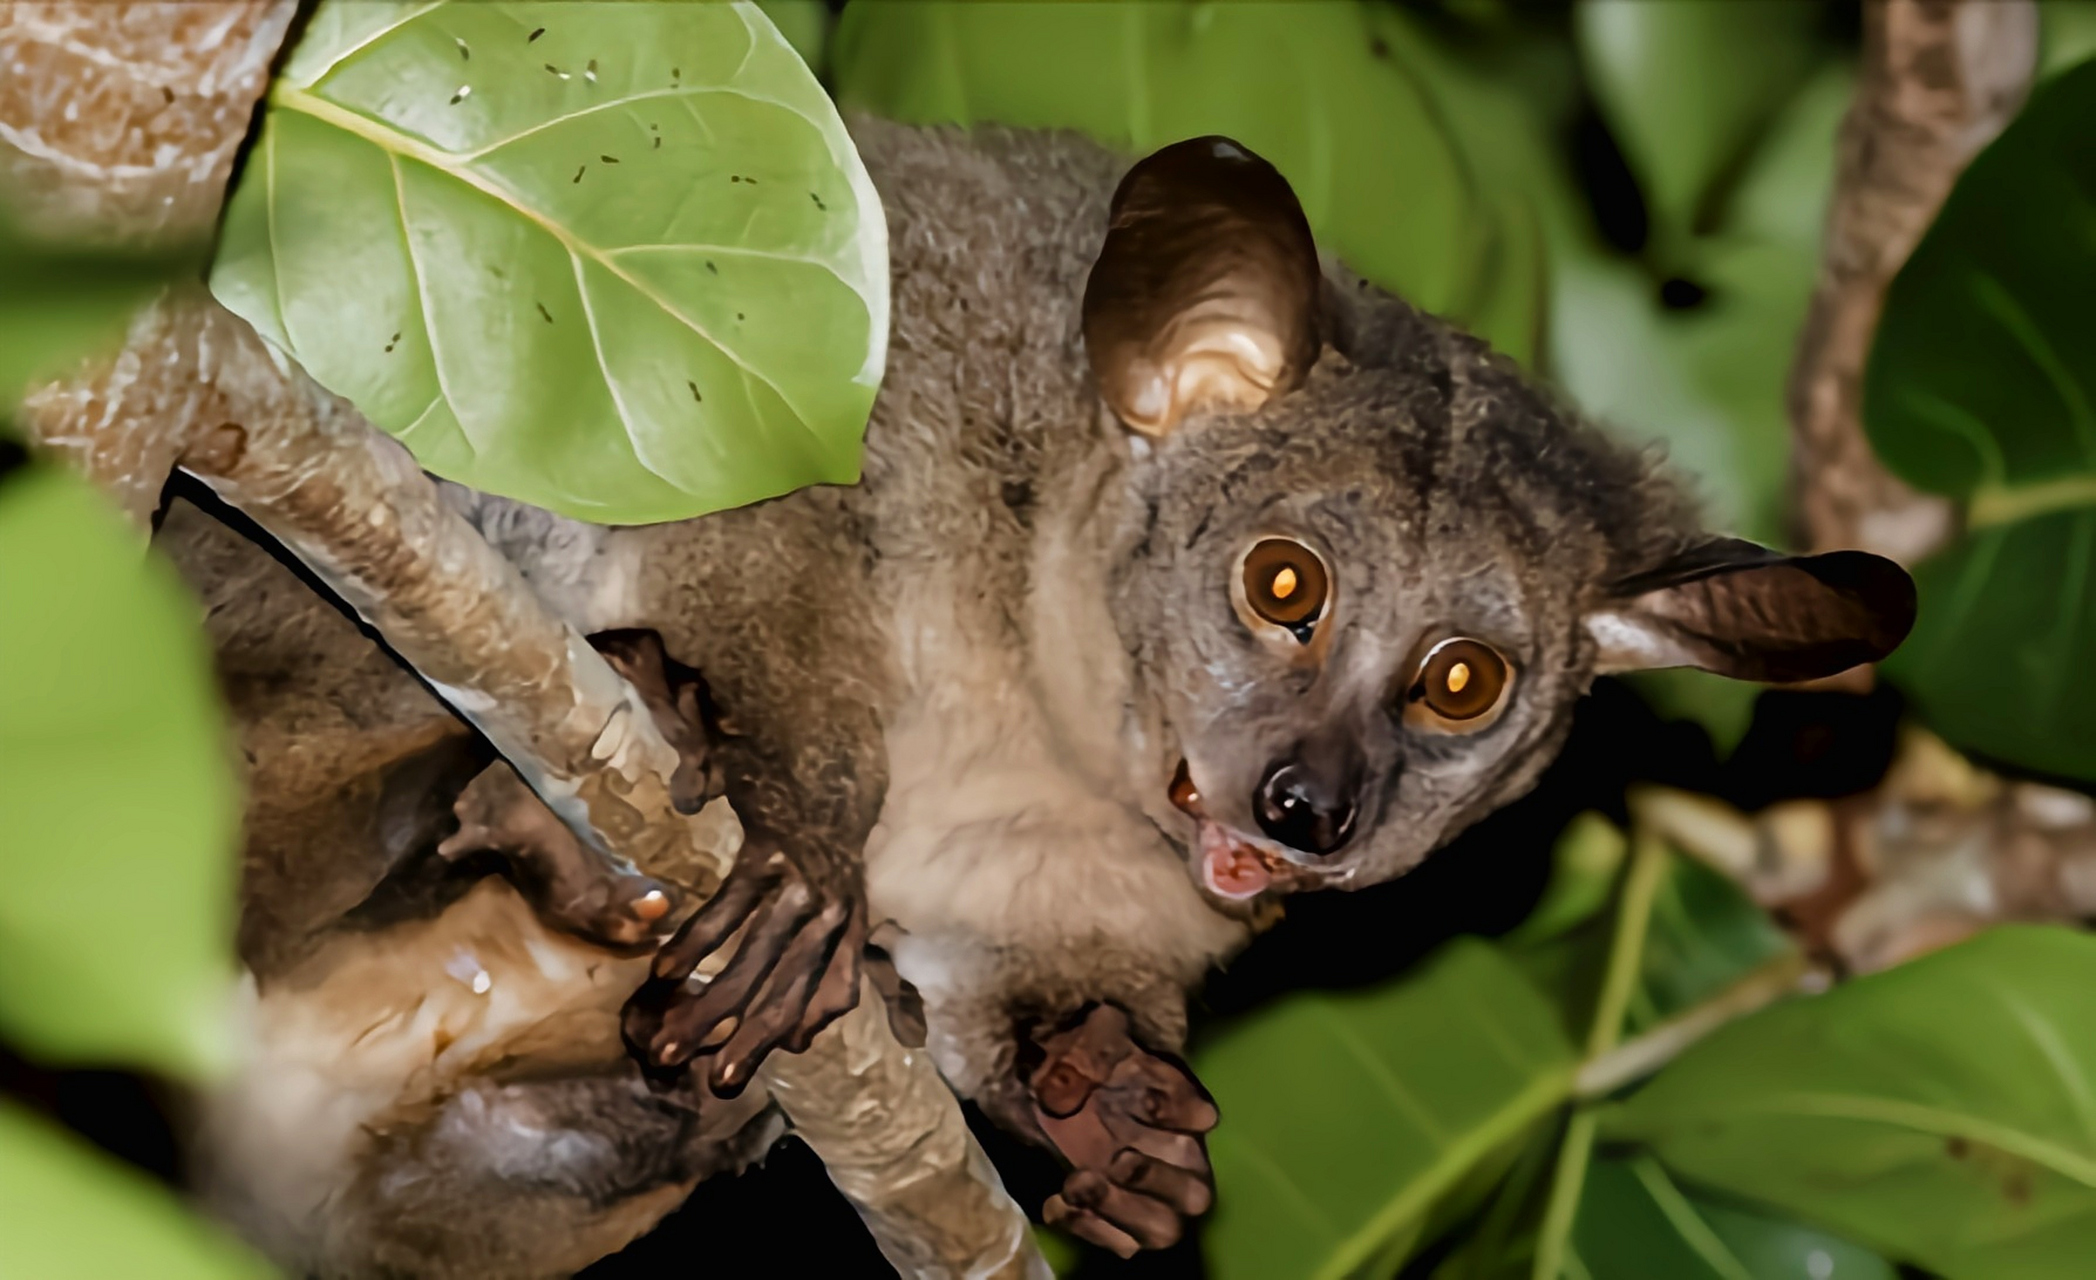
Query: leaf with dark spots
{"type": "Point", "coordinates": [369, 206]}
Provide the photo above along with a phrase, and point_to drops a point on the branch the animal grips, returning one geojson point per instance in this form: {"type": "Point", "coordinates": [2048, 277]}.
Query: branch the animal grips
{"type": "Point", "coordinates": [1206, 291]}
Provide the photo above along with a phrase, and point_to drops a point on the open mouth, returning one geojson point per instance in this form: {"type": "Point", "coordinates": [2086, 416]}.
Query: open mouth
{"type": "Point", "coordinates": [1233, 865]}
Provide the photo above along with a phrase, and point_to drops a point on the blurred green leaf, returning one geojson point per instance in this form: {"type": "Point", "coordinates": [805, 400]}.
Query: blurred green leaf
{"type": "Point", "coordinates": [1584, 868]}
{"type": "Point", "coordinates": [805, 24]}
{"type": "Point", "coordinates": [1635, 1224]}
{"type": "Point", "coordinates": [630, 270]}
{"type": "Point", "coordinates": [1704, 934]}
{"type": "Point", "coordinates": [1982, 387]}
{"type": "Point", "coordinates": [1060, 1252]}
{"type": "Point", "coordinates": [1501, 1243]}
{"type": "Point", "coordinates": [1324, 91]}
{"type": "Point", "coordinates": [1688, 84]}
{"type": "Point", "coordinates": [1501, 102]}
{"type": "Point", "coordinates": [75, 1214]}
{"type": "Point", "coordinates": [2067, 34]}
{"type": "Point", "coordinates": [64, 300]}
{"type": "Point", "coordinates": [1357, 1125]}
{"type": "Point", "coordinates": [117, 801]}
{"type": "Point", "coordinates": [1941, 1111]}
{"type": "Point", "coordinates": [1708, 382]}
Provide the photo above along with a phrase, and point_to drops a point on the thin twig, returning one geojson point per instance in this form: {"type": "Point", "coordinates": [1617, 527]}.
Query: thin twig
{"type": "Point", "coordinates": [1603, 1075]}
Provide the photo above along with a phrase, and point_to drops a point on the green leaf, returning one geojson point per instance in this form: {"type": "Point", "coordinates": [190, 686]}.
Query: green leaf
{"type": "Point", "coordinates": [117, 803]}
{"type": "Point", "coordinates": [1707, 383]}
{"type": "Point", "coordinates": [74, 1214]}
{"type": "Point", "coordinates": [805, 24]}
{"type": "Point", "coordinates": [1703, 934]}
{"type": "Point", "coordinates": [1943, 1112]}
{"type": "Point", "coordinates": [1982, 384]}
{"type": "Point", "coordinates": [1982, 387]}
{"type": "Point", "coordinates": [1584, 866]}
{"type": "Point", "coordinates": [1324, 91]}
{"type": "Point", "coordinates": [1635, 1224]}
{"type": "Point", "coordinates": [1687, 85]}
{"type": "Point", "coordinates": [629, 270]}
{"type": "Point", "coordinates": [1355, 1125]}
{"type": "Point", "coordinates": [2067, 34]}
{"type": "Point", "coordinates": [1997, 662]}
{"type": "Point", "coordinates": [64, 300]}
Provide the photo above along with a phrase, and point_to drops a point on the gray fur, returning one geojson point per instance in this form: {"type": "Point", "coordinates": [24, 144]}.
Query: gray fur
{"type": "Point", "coordinates": [972, 675]}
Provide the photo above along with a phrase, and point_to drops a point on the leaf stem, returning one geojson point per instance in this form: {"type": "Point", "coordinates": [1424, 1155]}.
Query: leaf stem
{"type": "Point", "coordinates": [1565, 1186]}
{"type": "Point", "coordinates": [1626, 954]}
{"type": "Point", "coordinates": [1603, 1075]}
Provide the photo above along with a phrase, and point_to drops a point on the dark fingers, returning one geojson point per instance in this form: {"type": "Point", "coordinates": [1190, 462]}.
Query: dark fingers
{"type": "Point", "coordinates": [1151, 1224]}
{"type": "Point", "coordinates": [1183, 1189]}
{"type": "Point", "coordinates": [688, 1022]}
{"type": "Point", "coordinates": [752, 878]}
{"type": "Point", "coordinates": [774, 1011]}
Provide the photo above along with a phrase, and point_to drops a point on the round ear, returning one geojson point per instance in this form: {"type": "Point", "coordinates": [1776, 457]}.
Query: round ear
{"type": "Point", "coordinates": [1206, 292]}
{"type": "Point", "coordinates": [1744, 611]}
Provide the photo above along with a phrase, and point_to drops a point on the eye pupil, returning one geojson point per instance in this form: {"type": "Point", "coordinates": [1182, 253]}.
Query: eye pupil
{"type": "Point", "coordinates": [1458, 685]}
{"type": "Point", "coordinates": [1285, 585]}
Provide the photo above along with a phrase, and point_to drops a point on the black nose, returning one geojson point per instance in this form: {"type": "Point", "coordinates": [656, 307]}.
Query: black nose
{"type": "Point", "coordinates": [1303, 811]}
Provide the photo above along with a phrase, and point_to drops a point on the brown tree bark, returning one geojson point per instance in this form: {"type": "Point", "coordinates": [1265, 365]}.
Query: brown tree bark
{"type": "Point", "coordinates": [123, 122]}
{"type": "Point", "coordinates": [1940, 78]}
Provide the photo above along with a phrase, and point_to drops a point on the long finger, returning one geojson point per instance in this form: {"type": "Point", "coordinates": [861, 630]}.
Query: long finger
{"type": "Point", "coordinates": [1086, 1225]}
{"type": "Point", "coordinates": [690, 1022]}
{"type": "Point", "coordinates": [714, 923]}
{"type": "Point", "coordinates": [838, 992]}
{"type": "Point", "coordinates": [1183, 1189]}
{"type": "Point", "coordinates": [1150, 1223]}
{"type": "Point", "coordinates": [774, 1012]}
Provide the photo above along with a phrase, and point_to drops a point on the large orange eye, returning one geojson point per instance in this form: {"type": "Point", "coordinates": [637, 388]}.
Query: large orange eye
{"type": "Point", "coordinates": [1285, 584]}
{"type": "Point", "coordinates": [1459, 684]}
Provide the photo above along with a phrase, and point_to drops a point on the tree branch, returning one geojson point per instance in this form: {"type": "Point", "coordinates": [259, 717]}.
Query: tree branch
{"type": "Point", "coordinates": [196, 385]}
{"type": "Point", "coordinates": [1940, 79]}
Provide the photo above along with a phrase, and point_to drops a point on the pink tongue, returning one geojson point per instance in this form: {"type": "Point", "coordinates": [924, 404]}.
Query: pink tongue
{"type": "Point", "coordinates": [1231, 870]}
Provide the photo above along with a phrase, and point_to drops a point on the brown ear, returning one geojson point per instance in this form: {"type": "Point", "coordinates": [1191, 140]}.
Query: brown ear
{"type": "Point", "coordinates": [1206, 291]}
{"type": "Point", "coordinates": [1747, 612]}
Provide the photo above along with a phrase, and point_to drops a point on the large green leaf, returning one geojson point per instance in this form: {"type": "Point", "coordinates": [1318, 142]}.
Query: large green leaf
{"type": "Point", "coordinates": [1943, 1111]}
{"type": "Point", "coordinates": [74, 1214]}
{"type": "Point", "coordinates": [621, 261]}
{"type": "Point", "coordinates": [117, 803]}
{"type": "Point", "coordinates": [1354, 1125]}
{"type": "Point", "coordinates": [1982, 387]}
{"type": "Point", "coordinates": [1635, 1224]}
{"type": "Point", "coordinates": [1326, 91]}
{"type": "Point", "coordinates": [1687, 84]}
